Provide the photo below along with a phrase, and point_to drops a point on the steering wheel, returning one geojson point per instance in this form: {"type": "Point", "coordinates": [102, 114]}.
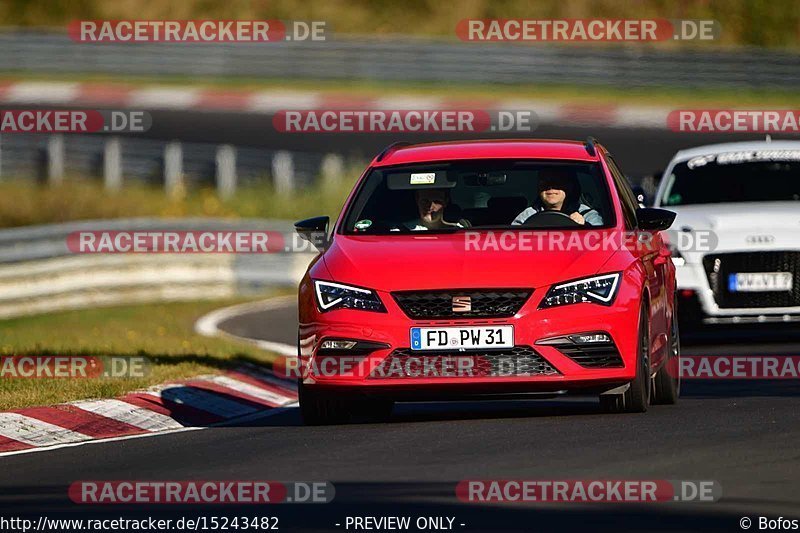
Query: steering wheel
{"type": "Point", "coordinates": [549, 219]}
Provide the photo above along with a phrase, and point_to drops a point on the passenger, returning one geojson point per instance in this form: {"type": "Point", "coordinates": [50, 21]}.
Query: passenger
{"type": "Point", "coordinates": [430, 205]}
{"type": "Point", "coordinates": [559, 191]}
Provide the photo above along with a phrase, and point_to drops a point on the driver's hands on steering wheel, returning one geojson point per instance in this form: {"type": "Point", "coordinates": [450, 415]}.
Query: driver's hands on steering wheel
{"type": "Point", "coordinates": [550, 219]}
{"type": "Point", "coordinates": [577, 217]}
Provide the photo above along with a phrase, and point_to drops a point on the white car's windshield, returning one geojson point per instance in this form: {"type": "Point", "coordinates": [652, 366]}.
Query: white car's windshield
{"type": "Point", "coordinates": [745, 176]}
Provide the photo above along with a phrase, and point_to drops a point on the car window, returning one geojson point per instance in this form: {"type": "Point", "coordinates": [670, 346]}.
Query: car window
{"type": "Point", "coordinates": [478, 193]}
{"type": "Point", "coordinates": [744, 176]}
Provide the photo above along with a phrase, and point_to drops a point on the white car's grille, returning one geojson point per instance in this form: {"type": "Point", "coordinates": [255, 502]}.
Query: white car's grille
{"type": "Point", "coordinates": [719, 267]}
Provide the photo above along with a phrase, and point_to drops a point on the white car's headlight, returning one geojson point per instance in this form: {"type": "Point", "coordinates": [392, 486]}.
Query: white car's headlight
{"type": "Point", "coordinates": [332, 295]}
{"type": "Point", "coordinates": [597, 289]}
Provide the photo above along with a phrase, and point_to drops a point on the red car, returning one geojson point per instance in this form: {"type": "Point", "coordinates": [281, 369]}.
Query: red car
{"type": "Point", "coordinates": [488, 269]}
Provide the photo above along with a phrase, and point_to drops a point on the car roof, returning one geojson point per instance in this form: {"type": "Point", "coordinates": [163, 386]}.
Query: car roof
{"type": "Point", "coordinates": [710, 149]}
{"type": "Point", "coordinates": [485, 149]}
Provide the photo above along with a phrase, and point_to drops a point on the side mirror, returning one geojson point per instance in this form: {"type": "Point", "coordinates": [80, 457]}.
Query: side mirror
{"type": "Point", "coordinates": [314, 230]}
{"type": "Point", "coordinates": [654, 219]}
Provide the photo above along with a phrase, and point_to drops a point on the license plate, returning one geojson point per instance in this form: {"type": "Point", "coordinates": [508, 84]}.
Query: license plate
{"type": "Point", "coordinates": [760, 282]}
{"type": "Point", "coordinates": [462, 338]}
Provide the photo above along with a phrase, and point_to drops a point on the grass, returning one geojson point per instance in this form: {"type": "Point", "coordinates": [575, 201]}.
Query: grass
{"type": "Point", "coordinates": [24, 203]}
{"type": "Point", "coordinates": [162, 333]}
{"type": "Point", "coordinates": [596, 95]}
{"type": "Point", "coordinates": [753, 22]}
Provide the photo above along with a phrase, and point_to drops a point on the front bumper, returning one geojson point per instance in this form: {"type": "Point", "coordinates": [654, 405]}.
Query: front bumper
{"type": "Point", "coordinates": [698, 304]}
{"type": "Point", "coordinates": [531, 327]}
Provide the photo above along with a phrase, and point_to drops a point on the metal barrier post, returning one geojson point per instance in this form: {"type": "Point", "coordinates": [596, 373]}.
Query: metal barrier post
{"type": "Point", "coordinates": [332, 171]}
{"type": "Point", "coordinates": [283, 172]}
{"type": "Point", "coordinates": [112, 164]}
{"type": "Point", "coordinates": [173, 169]}
{"type": "Point", "coordinates": [226, 171]}
{"type": "Point", "coordinates": [55, 159]}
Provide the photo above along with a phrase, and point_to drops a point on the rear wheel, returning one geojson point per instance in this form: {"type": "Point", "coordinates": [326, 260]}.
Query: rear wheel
{"type": "Point", "coordinates": [637, 397]}
{"type": "Point", "coordinates": [321, 408]}
{"type": "Point", "coordinates": [667, 383]}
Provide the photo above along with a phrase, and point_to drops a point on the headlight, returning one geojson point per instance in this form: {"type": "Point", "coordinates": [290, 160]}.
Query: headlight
{"type": "Point", "coordinates": [597, 289]}
{"type": "Point", "coordinates": [337, 296]}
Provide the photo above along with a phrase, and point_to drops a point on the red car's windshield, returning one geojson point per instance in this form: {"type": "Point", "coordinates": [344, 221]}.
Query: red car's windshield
{"type": "Point", "coordinates": [458, 195]}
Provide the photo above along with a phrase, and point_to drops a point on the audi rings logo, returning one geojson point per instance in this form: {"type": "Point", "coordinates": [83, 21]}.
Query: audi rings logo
{"type": "Point", "coordinates": [760, 239]}
{"type": "Point", "coordinates": [462, 304]}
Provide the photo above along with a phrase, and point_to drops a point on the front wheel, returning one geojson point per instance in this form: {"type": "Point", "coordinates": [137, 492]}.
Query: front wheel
{"type": "Point", "coordinates": [667, 383]}
{"type": "Point", "coordinates": [319, 408]}
{"type": "Point", "coordinates": [637, 397]}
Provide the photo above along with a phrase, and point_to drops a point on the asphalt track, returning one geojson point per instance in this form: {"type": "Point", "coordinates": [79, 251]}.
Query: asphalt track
{"type": "Point", "coordinates": [638, 151]}
{"type": "Point", "coordinates": [742, 434]}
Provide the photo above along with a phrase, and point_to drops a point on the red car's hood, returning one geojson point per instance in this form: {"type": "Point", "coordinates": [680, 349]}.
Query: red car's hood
{"type": "Point", "coordinates": [441, 261]}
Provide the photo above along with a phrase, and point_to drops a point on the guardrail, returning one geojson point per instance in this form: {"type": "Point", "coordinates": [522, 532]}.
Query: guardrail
{"type": "Point", "coordinates": [38, 273]}
{"type": "Point", "coordinates": [404, 58]}
{"type": "Point", "coordinates": [172, 164]}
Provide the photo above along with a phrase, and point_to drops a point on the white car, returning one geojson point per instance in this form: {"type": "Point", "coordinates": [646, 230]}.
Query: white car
{"type": "Point", "coordinates": [736, 239]}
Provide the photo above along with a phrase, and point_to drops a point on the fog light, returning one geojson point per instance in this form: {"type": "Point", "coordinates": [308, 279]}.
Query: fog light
{"type": "Point", "coordinates": [591, 338]}
{"type": "Point", "coordinates": [337, 345]}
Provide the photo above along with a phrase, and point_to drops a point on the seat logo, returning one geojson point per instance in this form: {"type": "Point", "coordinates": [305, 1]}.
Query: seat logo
{"type": "Point", "coordinates": [760, 239]}
{"type": "Point", "coordinates": [462, 304]}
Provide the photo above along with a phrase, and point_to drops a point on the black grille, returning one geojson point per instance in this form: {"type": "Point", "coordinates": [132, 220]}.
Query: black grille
{"type": "Point", "coordinates": [424, 305]}
{"type": "Point", "coordinates": [513, 362]}
{"type": "Point", "coordinates": [718, 268]}
{"type": "Point", "coordinates": [595, 355]}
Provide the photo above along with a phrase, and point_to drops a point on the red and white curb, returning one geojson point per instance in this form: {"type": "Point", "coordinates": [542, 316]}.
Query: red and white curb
{"type": "Point", "coordinates": [201, 402]}
{"type": "Point", "coordinates": [272, 101]}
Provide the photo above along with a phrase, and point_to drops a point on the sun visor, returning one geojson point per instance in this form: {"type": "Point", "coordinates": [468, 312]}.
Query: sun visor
{"type": "Point", "coordinates": [434, 179]}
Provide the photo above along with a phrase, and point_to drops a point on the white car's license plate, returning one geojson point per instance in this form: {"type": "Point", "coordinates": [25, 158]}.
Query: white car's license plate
{"type": "Point", "coordinates": [760, 282]}
{"type": "Point", "coordinates": [467, 338]}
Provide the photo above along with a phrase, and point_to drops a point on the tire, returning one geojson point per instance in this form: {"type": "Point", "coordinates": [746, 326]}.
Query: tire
{"type": "Point", "coordinates": [318, 408]}
{"type": "Point", "coordinates": [667, 383]}
{"type": "Point", "coordinates": [637, 398]}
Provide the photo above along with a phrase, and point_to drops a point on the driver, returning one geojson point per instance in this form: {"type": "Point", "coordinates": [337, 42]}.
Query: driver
{"type": "Point", "coordinates": [558, 191]}
{"type": "Point", "coordinates": [430, 206]}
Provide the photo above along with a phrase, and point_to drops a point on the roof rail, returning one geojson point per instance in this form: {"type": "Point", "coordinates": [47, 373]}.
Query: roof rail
{"type": "Point", "coordinates": [391, 148]}
{"type": "Point", "coordinates": [589, 145]}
